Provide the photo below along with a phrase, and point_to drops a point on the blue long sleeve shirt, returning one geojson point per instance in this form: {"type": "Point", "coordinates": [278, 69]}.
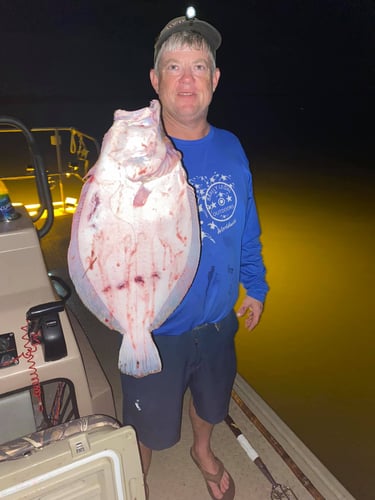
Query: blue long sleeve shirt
{"type": "Point", "coordinates": [218, 170]}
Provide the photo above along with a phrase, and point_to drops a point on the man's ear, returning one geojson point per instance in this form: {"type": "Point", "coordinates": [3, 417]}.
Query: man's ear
{"type": "Point", "coordinates": [215, 78]}
{"type": "Point", "coordinates": [154, 80]}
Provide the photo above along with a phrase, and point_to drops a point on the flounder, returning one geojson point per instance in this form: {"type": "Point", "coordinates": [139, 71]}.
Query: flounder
{"type": "Point", "coordinates": [135, 238]}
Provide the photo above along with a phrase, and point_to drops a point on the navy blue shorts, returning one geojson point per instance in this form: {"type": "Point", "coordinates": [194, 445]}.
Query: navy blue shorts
{"type": "Point", "coordinates": [202, 360]}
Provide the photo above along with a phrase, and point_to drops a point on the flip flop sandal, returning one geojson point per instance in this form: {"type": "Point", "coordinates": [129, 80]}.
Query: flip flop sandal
{"type": "Point", "coordinates": [216, 478]}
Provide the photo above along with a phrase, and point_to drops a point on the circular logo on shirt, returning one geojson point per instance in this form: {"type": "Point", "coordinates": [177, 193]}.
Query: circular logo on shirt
{"type": "Point", "coordinates": [221, 201]}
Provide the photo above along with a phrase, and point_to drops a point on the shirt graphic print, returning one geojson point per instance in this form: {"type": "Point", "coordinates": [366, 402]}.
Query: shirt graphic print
{"type": "Point", "coordinates": [217, 202]}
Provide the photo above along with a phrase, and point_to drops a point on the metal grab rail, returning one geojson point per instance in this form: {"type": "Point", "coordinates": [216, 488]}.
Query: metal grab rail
{"type": "Point", "coordinates": [41, 179]}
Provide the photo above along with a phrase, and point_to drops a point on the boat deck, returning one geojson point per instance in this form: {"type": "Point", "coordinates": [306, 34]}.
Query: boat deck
{"type": "Point", "coordinates": [174, 476]}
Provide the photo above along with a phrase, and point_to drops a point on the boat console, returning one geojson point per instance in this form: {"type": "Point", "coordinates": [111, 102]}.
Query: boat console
{"type": "Point", "coordinates": [59, 437]}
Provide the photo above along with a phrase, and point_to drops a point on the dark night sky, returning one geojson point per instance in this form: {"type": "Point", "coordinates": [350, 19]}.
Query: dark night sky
{"type": "Point", "coordinates": [284, 64]}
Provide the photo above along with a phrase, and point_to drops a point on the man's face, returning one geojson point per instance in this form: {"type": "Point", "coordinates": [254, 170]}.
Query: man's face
{"type": "Point", "coordinates": [185, 84]}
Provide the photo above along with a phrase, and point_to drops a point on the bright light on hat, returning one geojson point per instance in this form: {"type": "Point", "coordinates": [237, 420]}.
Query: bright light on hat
{"type": "Point", "coordinates": [189, 22]}
{"type": "Point", "coordinates": [190, 12]}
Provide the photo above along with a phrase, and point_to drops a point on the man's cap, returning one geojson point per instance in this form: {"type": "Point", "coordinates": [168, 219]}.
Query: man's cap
{"type": "Point", "coordinates": [189, 23]}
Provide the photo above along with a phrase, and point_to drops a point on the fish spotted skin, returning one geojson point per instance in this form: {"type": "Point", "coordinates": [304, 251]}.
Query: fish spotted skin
{"type": "Point", "coordinates": [135, 239]}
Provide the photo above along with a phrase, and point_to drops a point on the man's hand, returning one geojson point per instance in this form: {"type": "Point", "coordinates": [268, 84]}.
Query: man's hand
{"type": "Point", "coordinates": [252, 308]}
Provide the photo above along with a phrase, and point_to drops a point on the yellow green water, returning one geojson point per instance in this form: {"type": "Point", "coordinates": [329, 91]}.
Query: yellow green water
{"type": "Point", "coordinates": [312, 356]}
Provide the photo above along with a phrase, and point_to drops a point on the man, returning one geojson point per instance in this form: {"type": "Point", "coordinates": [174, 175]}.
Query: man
{"type": "Point", "coordinates": [196, 343]}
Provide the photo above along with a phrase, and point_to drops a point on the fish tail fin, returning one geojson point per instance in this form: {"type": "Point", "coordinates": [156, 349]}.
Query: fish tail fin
{"type": "Point", "coordinates": [140, 360]}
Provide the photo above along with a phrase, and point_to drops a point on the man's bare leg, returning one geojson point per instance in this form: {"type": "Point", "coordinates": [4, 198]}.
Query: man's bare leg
{"type": "Point", "coordinates": [146, 455]}
{"type": "Point", "coordinates": [202, 452]}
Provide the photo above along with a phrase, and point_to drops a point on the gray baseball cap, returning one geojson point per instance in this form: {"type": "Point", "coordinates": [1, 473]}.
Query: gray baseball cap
{"type": "Point", "coordinates": [185, 23]}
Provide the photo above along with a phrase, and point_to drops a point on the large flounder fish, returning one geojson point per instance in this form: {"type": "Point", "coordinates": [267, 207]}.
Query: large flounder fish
{"type": "Point", "coordinates": [135, 239]}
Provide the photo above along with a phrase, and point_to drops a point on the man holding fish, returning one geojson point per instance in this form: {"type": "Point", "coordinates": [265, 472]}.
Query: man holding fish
{"type": "Point", "coordinates": [196, 342]}
{"type": "Point", "coordinates": [165, 231]}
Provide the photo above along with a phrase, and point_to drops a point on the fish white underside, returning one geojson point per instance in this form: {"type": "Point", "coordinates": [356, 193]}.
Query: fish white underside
{"type": "Point", "coordinates": [134, 264]}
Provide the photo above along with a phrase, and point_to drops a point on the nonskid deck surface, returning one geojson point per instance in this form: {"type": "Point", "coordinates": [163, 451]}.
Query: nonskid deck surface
{"type": "Point", "coordinates": [174, 476]}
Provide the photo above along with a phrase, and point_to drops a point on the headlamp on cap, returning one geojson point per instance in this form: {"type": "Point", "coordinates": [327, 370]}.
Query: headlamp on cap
{"type": "Point", "coordinates": [190, 13]}
{"type": "Point", "coordinates": [189, 22]}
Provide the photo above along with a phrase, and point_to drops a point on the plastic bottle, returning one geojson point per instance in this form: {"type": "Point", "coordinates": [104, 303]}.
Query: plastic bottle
{"type": "Point", "coordinates": [7, 210]}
